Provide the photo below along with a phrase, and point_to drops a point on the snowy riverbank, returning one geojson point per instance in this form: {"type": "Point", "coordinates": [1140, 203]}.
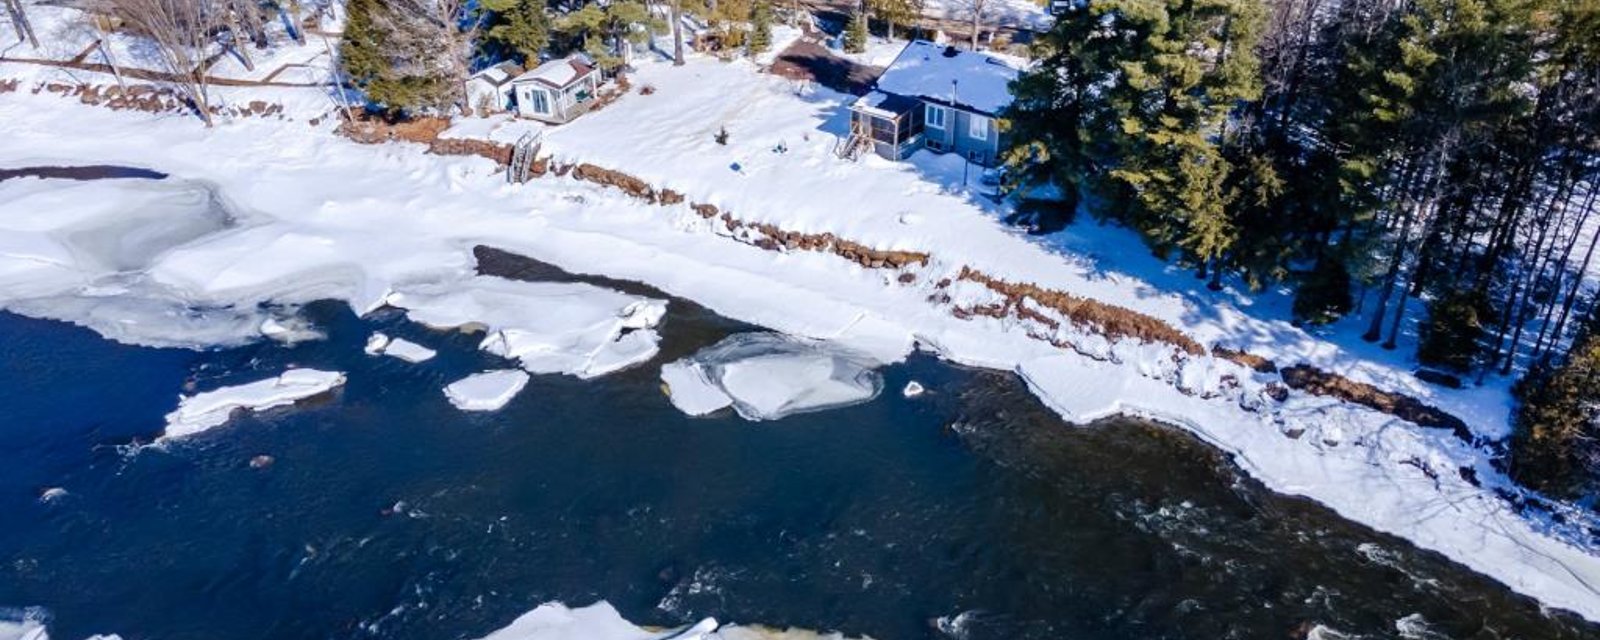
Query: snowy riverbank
{"type": "Point", "coordinates": [311, 216]}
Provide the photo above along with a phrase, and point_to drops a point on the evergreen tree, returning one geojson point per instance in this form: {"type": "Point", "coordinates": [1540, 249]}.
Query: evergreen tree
{"type": "Point", "coordinates": [760, 27]}
{"type": "Point", "coordinates": [1556, 446]}
{"type": "Point", "coordinates": [598, 31]}
{"type": "Point", "coordinates": [1132, 98]}
{"type": "Point", "coordinates": [855, 33]}
{"type": "Point", "coordinates": [520, 27]}
{"type": "Point", "coordinates": [395, 59]}
{"type": "Point", "coordinates": [896, 12]}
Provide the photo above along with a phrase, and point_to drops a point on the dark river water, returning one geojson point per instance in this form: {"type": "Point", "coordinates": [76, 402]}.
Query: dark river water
{"type": "Point", "coordinates": [968, 512]}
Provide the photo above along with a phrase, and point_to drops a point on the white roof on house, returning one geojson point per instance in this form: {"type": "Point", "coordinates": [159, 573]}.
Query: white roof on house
{"type": "Point", "coordinates": [497, 74]}
{"type": "Point", "coordinates": [926, 70]}
{"type": "Point", "coordinates": [560, 72]}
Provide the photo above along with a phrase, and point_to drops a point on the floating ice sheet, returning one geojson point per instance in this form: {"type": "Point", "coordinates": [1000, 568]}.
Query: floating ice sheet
{"type": "Point", "coordinates": [488, 391]}
{"type": "Point", "coordinates": [547, 327]}
{"type": "Point", "coordinates": [211, 409]}
{"type": "Point", "coordinates": [767, 376]}
{"type": "Point", "coordinates": [601, 621]}
{"type": "Point", "coordinates": [382, 345]}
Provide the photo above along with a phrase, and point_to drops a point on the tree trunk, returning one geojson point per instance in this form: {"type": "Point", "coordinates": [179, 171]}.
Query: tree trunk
{"type": "Point", "coordinates": [977, 20]}
{"type": "Point", "coordinates": [236, 40]}
{"type": "Point", "coordinates": [1577, 282]}
{"type": "Point", "coordinates": [19, 20]}
{"type": "Point", "coordinates": [1375, 330]}
{"type": "Point", "coordinates": [677, 33]}
{"type": "Point", "coordinates": [298, 21]}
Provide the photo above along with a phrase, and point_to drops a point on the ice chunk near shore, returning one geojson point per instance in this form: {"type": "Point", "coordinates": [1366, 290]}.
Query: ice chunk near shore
{"type": "Point", "coordinates": [598, 621]}
{"type": "Point", "coordinates": [767, 376]}
{"type": "Point", "coordinates": [23, 624]}
{"type": "Point", "coordinates": [548, 327]}
{"type": "Point", "coordinates": [601, 621]}
{"type": "Point", "coordinates": [210, 409]}
{"type": "Point", "coordinates": [487, 391]}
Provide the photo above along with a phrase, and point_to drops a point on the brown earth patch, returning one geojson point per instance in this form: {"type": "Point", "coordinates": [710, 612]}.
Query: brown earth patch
{"type": "Point", "coordinates": [423, 130]}
{"type": "Point", "coordinates": [1316, 381]}
{"type": "Point", "coordinates": [1108, 320]}
{"type": "Point", "coordinates": [1245, 359]}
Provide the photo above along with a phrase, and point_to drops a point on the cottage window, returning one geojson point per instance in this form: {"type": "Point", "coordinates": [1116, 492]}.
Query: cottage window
{"type": "Point", "coordinates": [538, 101]}
{"type": "Point", "coordinates": [935, 116]}
{"type": "Point", "coordinates": [978, 127]}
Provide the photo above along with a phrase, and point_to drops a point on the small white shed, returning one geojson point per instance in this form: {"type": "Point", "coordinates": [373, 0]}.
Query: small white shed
{"type": "Point", "coordinates": [489, 90]}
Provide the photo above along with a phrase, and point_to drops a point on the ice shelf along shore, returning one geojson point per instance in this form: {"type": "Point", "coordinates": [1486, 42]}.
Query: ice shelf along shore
{"type": "Point", "coordinates": [229, 237]}
{"type": "Point", "coordinates": [547, 327]}
{"type": "Point", "coordinates": [207, 410]}
{"type": "Point", "coordinates": [601, 621]}
{"type": "Point", "coordinates": [766, 376]}
{"type": "Point", "coordinates": [487, 391]}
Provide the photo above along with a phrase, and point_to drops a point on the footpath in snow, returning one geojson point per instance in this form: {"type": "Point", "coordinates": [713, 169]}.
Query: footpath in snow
{"type": "Point", "coordinates": [309, 215]}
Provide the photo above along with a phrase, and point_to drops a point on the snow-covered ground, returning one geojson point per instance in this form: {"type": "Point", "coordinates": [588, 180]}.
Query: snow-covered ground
{"type": "Point", "coordinates": [207, 410]}
{"type": "Point", "coordinates": [310, 215]}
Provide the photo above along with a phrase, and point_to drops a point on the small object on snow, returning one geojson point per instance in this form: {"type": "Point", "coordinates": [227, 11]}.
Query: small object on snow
{"type": "Point", "coordinates": [913, 389]}
{"type": "Point", "coordinates": [52, 494]}
{"type": "Point", "coordinates": [262, 461]}
{"type": "Point", "coordinates": [736, 168]}
{"type": "Point", "coordinates": [781, 148]}
{"type": "Point", "coordinates": [722, 136]}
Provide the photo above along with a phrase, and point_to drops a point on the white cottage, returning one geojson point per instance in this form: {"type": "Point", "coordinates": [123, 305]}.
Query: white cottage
{"type": "Point", "coordinates": [489, 90]}
{"type": "Point", "coordinates": [556, 91]}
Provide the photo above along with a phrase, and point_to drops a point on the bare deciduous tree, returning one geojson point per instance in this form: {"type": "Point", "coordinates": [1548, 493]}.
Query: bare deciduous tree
{"type": "Point", "coordinates": [19, 20]}
{"type": "Point", "coordinates": [977, 11]}
{"type": "Point", "coordinates": [181, 31]}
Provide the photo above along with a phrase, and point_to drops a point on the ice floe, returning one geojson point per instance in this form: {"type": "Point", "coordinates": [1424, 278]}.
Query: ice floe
{"type": "Point", "coordinates": [547, 327]}
{"type": "Point", "coordinates": [487, 391]}
{"type": "Point", "coordinates": [380, 344]}
{"type": "Point", "coordinates": [210, 409]}
{"type": "Point", "coordinates": [767, 376]}
{"type": "Point", "coordinates": [23, 624]}
{"type": "Point", "coordinates": [601, 621]}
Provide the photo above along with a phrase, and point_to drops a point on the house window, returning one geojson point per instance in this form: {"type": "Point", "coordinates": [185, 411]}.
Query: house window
{"type": "Point", "coordinates": [538, 102]}
{"type": "Point", "coordinates": [978, 127]}
{"type": "Point", "coordinates": [935, 116]}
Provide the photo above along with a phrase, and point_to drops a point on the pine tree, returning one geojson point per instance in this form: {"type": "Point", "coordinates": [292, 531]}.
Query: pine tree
{"type": "Point", "coordinates": [521, 27]}
{"type": "Point", "coordinates": [896, 12]}
{"type": "Point", "coordinates": [1556, 445]}
{"type": "Point", "coordinates": [394, 56]}
{"type": "Point", "coordinates": [855, 33]}
{"type": "Point", "coordinates": [760, 27]}
{"type": "Point", "coordinates": [598, 31]}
